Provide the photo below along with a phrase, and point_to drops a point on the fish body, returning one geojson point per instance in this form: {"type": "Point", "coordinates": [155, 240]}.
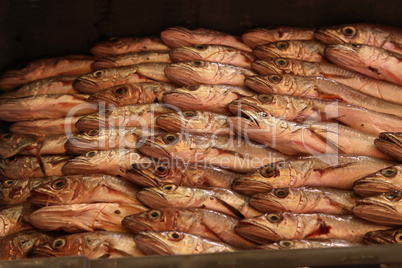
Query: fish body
{"type": "Point", "coordinates": [390, 143]}
{"type": "Point", "coordinates": [392, 236]}
{"type": "Point", "coordinates": [41, 127]}
{"type": "Point", "coordinates": [14, 192]}
{"type": "Point", "coordinates": [309, 243]}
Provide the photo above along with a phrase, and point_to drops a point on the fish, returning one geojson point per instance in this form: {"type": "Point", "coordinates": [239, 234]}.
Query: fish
{"type": "Point", "coordinates": [105, 78]}
{"type": "Point", "coordinates": [319, 88]}
{"type": "Point", "coordinates": [184, 36]}
{"type": "Point", "coordinates": [205, 223]}
{"type": "Point", "coordinates": [390, 143]}
{"type": "Point", "coordinates": [113, 162]}
{"type": "Point", "coordinates": [309, 243]}
{"type": "Point", "coordinates": [14, 192]}
{"type": "Point", "coordinates": [371, 86]}
{"type": "Point", "coordinates": [45, 107]}
{"type": "Point", "coordinates": [369, 60]}
{"type": "Point", "coordinates": [207, 72]}
{"type": "Point", "coordinates": [214, 53]}
{"type": "Point", "coordinates": [127, 59]}
{"type": "Point", "coordinates": [14, 218]}
{"type": "Point", "coordinates": [301, 109]}
{"type": "Point", "coordinates": [76, 189]}
{"type": "Point", "coordinates": [75, 218]}
{"type": "Point", "coordinates": [310, 138]}
{"type": "Point", "coordinates": [48, 145]}
{"type": "Point", "coordinates": [208, 98]}
{"type": "Point", "coordinates": [51, 85]}
{"type": "Point", "coordinates": [194, 122]}
{"type": "Point", "coordinates": [380, 182]}
{"type": "Point", "coordinates": [41, 127]}
{"type": "Point", "coordinates": [136, 115]}
{"type": "Point", "coordinates": [127, 94]}
{"type": "Point", "coordinates": [294, 49]}
{"type": "Point", "coordinates": [18, 167]}
{"type": "Point", "coordinates": [261, 36]}
{"type": "Point", "coordinates": [330, 170]}
{"type": "Point", "coordinates": [17, 245]}
{"type": "Point", "coordinates": [162, 173]}
{"type": "Point", "coordinates": [222, 151]}
{"type": "Point", "coordinates": [217, 199]}
{"type": "Point", "coordinates": [306, 200]}
{"type": "Point", "coordinates": [127, 44]}
{"type": "Point", "coordinates": [12, 144]}
{"type": "Point", "coordinates": [93, 245]}
{"type": "Point", "coordinates": [279, 226]}
{"type": "Point", "coordinates": [386, 37]}
{"type": "Point", "coordinates": [43, 68]}
{"type": "Point", "coordinates": [392, 236]}
{"type": "Point", "coordinates": [177, 243]}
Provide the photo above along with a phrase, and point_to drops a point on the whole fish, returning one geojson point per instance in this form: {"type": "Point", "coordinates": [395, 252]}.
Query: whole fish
{"type": "Point", "coordinates": [112, 162]}
{"type": "Point", "coordinates": [294, 49]}
{"type": "Point", "coordinates": [195, 122]}
{"type": "Point", "coordinates": [319, 88]}
{"type": "Point", "coordinates": [47, 126]}
{"type": "Point", "coordinates": [306, 200]}
{"type": "Point", "coordinates": [372, 61]}
{"type": "Point", "coordinates": [222, 151]}
{"type": "Point", "coordinates": [127, 94]}
{"type": "Point", "coordinates": [14, 192]}
{"type": "Point", "coordinates": [207, 72]}
{"type": "Point", "coordinates": [29, 167]}
{"type": "Point", "coordinates": [126, 44]}
{"type": "Point", "coordinates": [17, 245]}
{"type": "Point", "coordinates": [76, 218]}
{"type": "Point", "coordinates": [12, 144]}
{"type": "Point", "coordinates": [105, 78]}
{"type": "Point", "coordinates": [309, 243]}
{"type": "Point", "coordinates": [311, 138]}
{"type": "Point", "coordinates": [336, 171]}
{"type": "Point", "coordinates": [371, 86]}
{"type": "Point", "coordinates": [137, 115]}
{"type": "Point", "coordinates": [209, 98]}
{"type": "Point", "coordinates": [51, 85]}
{"type": "Point", "coordinates": [180, 174]}
{"type": "Point", "coordinates": [93, 245]}
{"type": "Point", "coordinates": [301, 109]}
{"type": "Point", "coordinates": [14, 218]}
{"type": "Point", "coordinates": [385, 180]}
{"type": "Point", "coordinates": [260, 36]}
{"type": "Point", "coordinates": [127, 59]}
{"type": "Point", "coordinates": [43, 68]}
{"type": "Point", "coordinates": [392, 236]}
{"type": "Point", "coordinates": [177, 243]}
{"type": "Point", "coordinates": [390, 143]}
{"type": "Point", "coordinates": [217, 199]}
{"type": "Point", "coordinates": [184, 36]}
{"type": "Point", "coordinates": [44, 107]}
{"type": "Point", "coordinates": [76, 189]}
{"type": "Point", "coordinates": [205, 223]}
{"type": "Point", "coordinates": [279, 226]}
{"type": "Point", "coordinates": [386, 37]}
{"type": "Point", "coordinates": [214, 53]}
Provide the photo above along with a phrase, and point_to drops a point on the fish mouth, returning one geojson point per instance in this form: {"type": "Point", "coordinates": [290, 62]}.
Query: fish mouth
{"type": "Point", "coordinates": [141, 178]}
{"type": "Point", "coordinates": [376, 211]}
{"type": "Point", "coordinates": [136, 225]}
{"type": "Point", "coordinates": [182, 74]}
{"type": "Point", "coordinates": [250, 186]}
{"type": "Point", "coordinates": [264, 52]}
{"type": "Point", "coordinates": [263, 203]}
{"type": "Point", "coordinates": [79, 147]}
{"type": "Point", "coordinates": [87, 123]}
{"type": "Point", "coordinates": [256, 232]}
{"type": "Point", "coordinates": [391, 137]}
{"type": "Point", "coordinates": [343, 54]}
{"type": "Point", "coordinates": [237, 106]}
{"type": "Point", "coordinates": [40, 253]}
{"type": "Point", "coordinates": [38, 197]}
{"type": "Point", "coordinates": [182, 54]}
{"type": "Point", "coordinates": [390, 144]}
{"type": "Point", "coordinates": [378, 237]}
{"type": "Point", "coordinates": [85, 85]}
{"type": "Point", "coordinates": [370, 186]}
{"type": "Point", "coordinates": [152, 245]}
{"type": "Point", "coordinates": [78, 166]}
{"type": "Point", "coordinates": [173, 97]}
{"type": "Point", "coordinates": [259, 84]}
{"type": "Point", "coordinates": [151, 198]}
{"type": "Point", "coordinates": [97, 97]}
{"type": "Point", "coordinates": [104, 63]}
{"type": "Point", "coordinates": [171, 123]}
{"type": "Point", "coordinates": [153, 149]}
{"type": "Point", "coordinates": [264, 67]}
{"type": "Point", "coordinates": [328, 37]}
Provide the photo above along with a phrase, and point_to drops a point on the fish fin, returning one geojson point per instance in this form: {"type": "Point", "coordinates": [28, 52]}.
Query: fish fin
{"type": "Point", "coordinates": [226, 151]}
{"type": "Point", "coordinates": [231, 208]}
{"type": "Point", "coordinates": [330, 143]}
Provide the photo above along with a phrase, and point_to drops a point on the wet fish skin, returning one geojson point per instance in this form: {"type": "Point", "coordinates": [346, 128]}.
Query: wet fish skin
{"type": "Point", "coordinates": [336, 171]}
{"type": "Point", "coordinates": [309, 243]}
{"type": "Point", "coordinates": [392, 236]}
{"type": "Point", "coordinates": [174, 243]}
{"type": "Point", "coordinates": [14, 192]}
{"type": "Point", "coordinates": [12, 144]}
{"type": "Point", "coordinates": [390, 143]}
{"type": "Point", "coordinates": [93, 245]}
{"type": "Point", "coordinates": [205, 223]}
{"type": "Point", "coordinates": [14, 218]}
{"type": "Point", "coordinates": [46, 126]}
{"type": "Point", "coordinates": [184, 36]}
{"type": "Point", "coordinates": [127, 44]}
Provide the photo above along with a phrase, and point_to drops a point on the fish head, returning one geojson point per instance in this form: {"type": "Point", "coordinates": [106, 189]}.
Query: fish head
{"type": "Point", "coordinates": [279, 49]}
{"type": "Point", "coordinates": [274, 66]}
{"type": "Point", "coordinates": [393, 236]}
{"type": "Point", "coordinates": [165, 196]}
{"type": "Point", "coordinates": [92, 161]}
{"type": "Point", "coordinates": [12, 144]}
{"type": "Point", "coordinates": [15, 191]}
{"type": "Point", "coordinates": [353, 55]}
{"type": "Point", "coordinates": [187, 96]}
{"type": "Point", "coordinates": [180, 36]}
{"type": "Point", "coordinates": [118, 95]}
{"type": "Point", "coordinates": [83, 142]}
{"type": "Point", "coordinates": [107, 62]}
{"type": "Point", "coordinates": [95, 81]}
{"type": "Point", "coordinates": [13, 166]}
{"type": "Point", "coordinates": [280, 199]}
{"type": "Point", "coordinates": [272, 83]}
{"type": "Point", "coordinates": [287, 244]}
{"type": "Point", "coordinates": [101, 119]}
{"type": "Point", "coordinates": [192, 72]}
{"type": "Point", "coordinates": [188, 53]}
{"type": "Point", "coordinates": [270, 104]}
{"type": "Point", "coordinates": [390, 143]}
{"type": "Point", "coordinates": [344, 34]}
{"type": "Point", "coordinates": [156, 174]}
{"type": "Point", "coordinates": [152, 220]}
{"type": "Point", "coordinates": [110, 46]}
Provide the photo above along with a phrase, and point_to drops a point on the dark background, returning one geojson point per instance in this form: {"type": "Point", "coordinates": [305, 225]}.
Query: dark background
{"type": "Point", "coordinates": [32, 29]}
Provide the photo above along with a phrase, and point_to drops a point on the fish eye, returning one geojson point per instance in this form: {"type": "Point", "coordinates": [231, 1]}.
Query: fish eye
{"type": "Point", "coordinates": [93, 132]}
{"type": "Point", "coordinates": [154, 215]}
{"type": "Point", "coordinates": [59, 243]}
{"type": "Point", "coordinates": [97, 74]}
{"type": "Point", "coordinates": [356, 45]}
{"type": "Point", "coordinates": [170, 138]}
{"type": "Point", "coordinates": [275, 78]}
{"type": "Point", "coordinates": [349, 31]}
{"type": "Point", "coordinates": [268, 172]}
{"type": "Point", "coordinates": [58, 184]}
{"type": "Point", "coordinates": [281, 193]}
{"type": "Point", "coordinates": [90, 154]}
{"type": "Point", "coordinates": [7, 183]}
{"type": "Point", "coordinates": [119, 91]}
{"type": "Point", "coordinates": [169, 187]}
{"type": "Point", "coordinates": [6, 137]}
{"type": "Point", "coordinates": [389, 172]}
{"type": "Point", "coordinates": [189, 114]}
{"type": "Point", "coordinates": [192, 88]}
{"type": "Point", "coordinates": [393, 196]}
{"type": "Point", "coordinates": [197, 63]}
{"type": "Point", "coordinates": [398, 236]}
{"type": "Point", "coordinates": [265, 98]}
{"type": "Point", "coordinates": [106, 112]}
{"type": "Point", "coordinates": [286, 243]}
{"type": "Point", "coordinates": [282, 45]}
{"type": "Point", "coordinates": [113, 39]}
{"type": "Point", "coordinates": [200, 47]}
{"type": "Point", "coordinates": [281, 62]}
{"type": "Point", "coordinates": [175, 236]}
{"type": "Point", "coordinates": [161, 170]}
{"type": "Point", "coordinates": [274, 218]}
{"type": "Point", "coordinates": [10, 160]}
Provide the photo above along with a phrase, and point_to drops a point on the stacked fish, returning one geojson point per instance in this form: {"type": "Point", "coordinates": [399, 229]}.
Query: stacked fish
{"type": "Point", "coordinates": [199, 142]}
